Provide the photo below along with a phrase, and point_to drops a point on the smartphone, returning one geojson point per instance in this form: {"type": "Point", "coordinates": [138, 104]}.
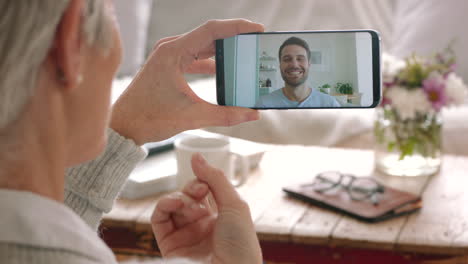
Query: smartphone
{"type": "Point", "coordinates": [304, 69]}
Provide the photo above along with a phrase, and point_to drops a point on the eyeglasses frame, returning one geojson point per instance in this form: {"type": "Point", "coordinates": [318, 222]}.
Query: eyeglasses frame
{"type": "Point", "coordinates": [372, 194]}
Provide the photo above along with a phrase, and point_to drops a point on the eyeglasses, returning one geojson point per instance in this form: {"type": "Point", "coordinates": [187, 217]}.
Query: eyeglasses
{"type": "Point", "coordinates": [358, 188]}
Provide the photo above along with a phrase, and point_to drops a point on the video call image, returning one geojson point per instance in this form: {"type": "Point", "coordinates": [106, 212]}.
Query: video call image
{"type": "Point", "coordinates": [299, 70]}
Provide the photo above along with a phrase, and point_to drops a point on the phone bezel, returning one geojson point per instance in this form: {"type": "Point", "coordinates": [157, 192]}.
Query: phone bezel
{"type": "Point", "coordinates": [376, 72]}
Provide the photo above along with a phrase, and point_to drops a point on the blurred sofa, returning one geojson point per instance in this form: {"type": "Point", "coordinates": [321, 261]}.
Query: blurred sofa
{"type": "Point", "coordinates": [406, 26]}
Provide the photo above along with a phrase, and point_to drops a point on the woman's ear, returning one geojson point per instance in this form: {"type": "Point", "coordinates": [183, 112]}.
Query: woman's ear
{"type": "Point", "coordinates": [67, 48]}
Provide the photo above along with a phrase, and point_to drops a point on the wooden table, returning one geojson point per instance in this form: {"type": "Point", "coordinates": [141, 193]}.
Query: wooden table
{"type": "Point", "coordinates": [292, 231]}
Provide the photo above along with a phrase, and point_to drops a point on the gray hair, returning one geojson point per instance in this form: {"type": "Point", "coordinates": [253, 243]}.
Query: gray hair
{"type": "Point", "coordinates": [28, 29]}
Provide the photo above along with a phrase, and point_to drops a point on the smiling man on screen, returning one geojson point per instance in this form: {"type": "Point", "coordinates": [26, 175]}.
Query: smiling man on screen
{"type": "Point", "coordinates": [294, 57]}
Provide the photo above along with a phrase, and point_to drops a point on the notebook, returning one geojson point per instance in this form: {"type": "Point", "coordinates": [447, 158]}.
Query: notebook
{"type": "Point", "coordinates": [392, 202]}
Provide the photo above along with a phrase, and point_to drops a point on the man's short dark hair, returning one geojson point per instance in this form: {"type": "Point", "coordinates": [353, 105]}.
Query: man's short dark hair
{"type": "Point", "coordinates": [294, 41]}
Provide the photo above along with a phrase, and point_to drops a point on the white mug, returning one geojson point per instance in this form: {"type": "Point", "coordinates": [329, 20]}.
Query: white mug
{"type": "Point", "coordinates": [216, 151]}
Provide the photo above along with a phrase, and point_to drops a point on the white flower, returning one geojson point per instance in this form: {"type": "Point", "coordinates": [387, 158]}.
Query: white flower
{"type": "Point", "coordinates": [455, 89]}
{"type": "Point", "coordinates": [391, 65]}
{"type": "Point", "coordinates": [408, 102]}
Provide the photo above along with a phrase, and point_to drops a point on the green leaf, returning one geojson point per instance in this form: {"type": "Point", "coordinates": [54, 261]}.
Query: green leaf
{"type": "Point", "coordinates": [414, 73]}
{"type": "Point", "coordinates": [407, 148]}
{"type": "Point", "coordinates": [391, 145]}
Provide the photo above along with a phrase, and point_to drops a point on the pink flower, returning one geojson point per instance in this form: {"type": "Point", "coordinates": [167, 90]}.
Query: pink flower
{"type": "Point", "coordinates": [453, 67]}
{"type": "Point", "coordinates": [434, 87]}
{"type": "Point", "coordinates": [386, 101]}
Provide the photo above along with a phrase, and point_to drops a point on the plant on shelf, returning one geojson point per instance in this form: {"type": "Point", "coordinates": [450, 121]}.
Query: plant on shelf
{"type": "Point", "coordinates": [326, 88]}
{"type": "Point", "coordinates": [344, 88]}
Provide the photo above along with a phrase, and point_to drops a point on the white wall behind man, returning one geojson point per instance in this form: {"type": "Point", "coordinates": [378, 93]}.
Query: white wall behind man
{"type": "Point", "coordinates": [246, 81]}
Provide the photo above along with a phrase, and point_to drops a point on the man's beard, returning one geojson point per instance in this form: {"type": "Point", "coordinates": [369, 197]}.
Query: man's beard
{"type": "Point", "coordinates": [295, 82]}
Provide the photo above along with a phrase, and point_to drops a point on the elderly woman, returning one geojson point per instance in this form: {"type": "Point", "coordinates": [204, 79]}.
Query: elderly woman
{"type": "Point", "coordinates": [57, 62]}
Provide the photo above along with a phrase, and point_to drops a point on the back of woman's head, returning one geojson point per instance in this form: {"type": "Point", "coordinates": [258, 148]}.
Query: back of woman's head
{"type": "Point", "coordinates": [27, 32]}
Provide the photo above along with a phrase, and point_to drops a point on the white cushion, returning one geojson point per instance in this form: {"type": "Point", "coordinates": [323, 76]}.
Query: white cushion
{"type": "Point", "coordinates": [325, 127]}
{"type": "Point", "coordinates": [328, 127]}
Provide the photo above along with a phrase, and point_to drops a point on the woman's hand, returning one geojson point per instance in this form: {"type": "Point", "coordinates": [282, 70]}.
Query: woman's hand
{"type": "Point", "coordinates": [159, 103]}
{"type": "Point", "coordinates": [185, 225]}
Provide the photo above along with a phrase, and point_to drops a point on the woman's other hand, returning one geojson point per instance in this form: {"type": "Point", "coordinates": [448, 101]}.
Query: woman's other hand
{"type": "Point", "coordinates": [185, 225]}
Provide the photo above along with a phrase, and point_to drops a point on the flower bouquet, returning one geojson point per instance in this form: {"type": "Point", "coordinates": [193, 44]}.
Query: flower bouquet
{"type": "Point", "coordinates": [408, 125]}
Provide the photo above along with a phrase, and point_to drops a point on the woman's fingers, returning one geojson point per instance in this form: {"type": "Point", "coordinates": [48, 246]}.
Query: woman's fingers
{"type": "Point", "coordinates": [161, 219]}
{"type": "Point", "coordinates": [199, 43]}
{"type": "Point", "coordinates": [203, 37]}
{"type": "Point", "coordinates": [179, 209]}
{"type": "Point", "coordinates": [214, 115]}
{"type": "Point", "coordinates": [192, 235]}
{"type": "Point", "coordinates": [199, 191]}
{"type": "Point", "coordinates": [221, 188]}
{"type": "Point", "coordinates": [164, 40]}
{"type": "Point", "coordinates": [234, 230]}
{"type": "Point", "coordinates": [212, 30]}
{"type": "Point", "coordinates": [189, 215]}
{"type": "Point", "coordinates": [194, 207]}
{"type": "Point", "coordinates": [206, 66]}
{"type": "Point", "coordinates": [179, 221]}
{"type": "Point", "coordinates": [196, 190]}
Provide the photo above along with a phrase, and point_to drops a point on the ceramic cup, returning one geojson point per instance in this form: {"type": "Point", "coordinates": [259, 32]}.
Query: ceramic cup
{"type": "Point", "coordinates": [216, 151]}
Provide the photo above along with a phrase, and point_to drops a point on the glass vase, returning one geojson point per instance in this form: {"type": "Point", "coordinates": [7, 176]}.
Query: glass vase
{"type": "Point", "coordinates": [409, 147]}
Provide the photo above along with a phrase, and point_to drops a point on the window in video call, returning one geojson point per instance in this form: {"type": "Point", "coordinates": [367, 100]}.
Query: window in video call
{"type": "Point", "coordinates": [336, 71]}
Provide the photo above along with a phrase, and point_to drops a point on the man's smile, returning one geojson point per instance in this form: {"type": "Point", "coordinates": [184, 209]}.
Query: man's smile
{"type": "Point", "coordinates": [295, 73]}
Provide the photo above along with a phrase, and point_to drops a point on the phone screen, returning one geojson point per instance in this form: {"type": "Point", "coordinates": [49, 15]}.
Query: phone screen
{"type": "Point", "coordinates": [314, 69]}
